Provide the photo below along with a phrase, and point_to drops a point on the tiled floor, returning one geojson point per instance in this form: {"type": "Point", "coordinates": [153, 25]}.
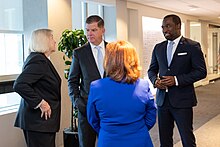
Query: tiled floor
{"type": "Point", "coordinates": [206, 118]}
{"type": "Point", "coordinates": [208, 135]}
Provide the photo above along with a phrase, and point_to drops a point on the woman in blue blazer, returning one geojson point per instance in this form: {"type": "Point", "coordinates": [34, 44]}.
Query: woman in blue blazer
{"type": "Point", "coordinates": [121, 107]}
{"type": "Point", "coordinates": [39, 86]}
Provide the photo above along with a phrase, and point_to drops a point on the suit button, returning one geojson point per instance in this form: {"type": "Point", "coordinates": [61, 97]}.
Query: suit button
{"type": "Point", "coordinates": [168, 69]}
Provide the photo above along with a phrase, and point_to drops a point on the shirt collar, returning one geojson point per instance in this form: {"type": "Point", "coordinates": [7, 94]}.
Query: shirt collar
{"type": "Point", "coordinates": [176, 41]}
{"type": "Point", "coordinates": [101, 45]}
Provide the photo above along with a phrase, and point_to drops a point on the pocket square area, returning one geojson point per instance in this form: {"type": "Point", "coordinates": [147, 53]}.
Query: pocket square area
{"type": "Point", "coordinates": [181, 54]}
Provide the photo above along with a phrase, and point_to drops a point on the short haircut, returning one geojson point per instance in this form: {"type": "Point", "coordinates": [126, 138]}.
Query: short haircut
{"type": "Point", "coordinates": [95, 18]}
{"type": "Point", "coordinates": [121, 62]}
{"type": "Point", "coordinates": [39, 41]}
{"type": "Point", "coordinates": [176, 19]}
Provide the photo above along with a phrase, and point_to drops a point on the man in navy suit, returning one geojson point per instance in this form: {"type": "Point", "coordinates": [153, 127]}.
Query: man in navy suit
{"type": "Point", "coordinates": [84, 69]}
{"type": "Point", "coordinates": [173, 74]}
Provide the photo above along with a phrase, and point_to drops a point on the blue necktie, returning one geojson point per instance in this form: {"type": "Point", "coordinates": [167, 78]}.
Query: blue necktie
{"type": "Point", "coordinates": [169, 52]}
{"type": "Point", "coordinates": [100, 60]}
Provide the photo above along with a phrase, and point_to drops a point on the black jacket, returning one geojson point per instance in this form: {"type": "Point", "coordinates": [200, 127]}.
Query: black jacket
{"type": "Point", "coordinates": [38, 80]}
{"type": "Point", "coordinates": [83, 71]}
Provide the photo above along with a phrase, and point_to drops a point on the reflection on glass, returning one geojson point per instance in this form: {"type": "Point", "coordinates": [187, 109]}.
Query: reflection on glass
{"type": "Point", "coordinates": [9, 102]}
{"type": "Point", "coordinates": [11, 57]}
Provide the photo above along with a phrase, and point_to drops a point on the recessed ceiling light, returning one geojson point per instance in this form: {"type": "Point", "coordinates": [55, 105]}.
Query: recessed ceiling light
{"type": "Point", "coordinates": [193, 7]}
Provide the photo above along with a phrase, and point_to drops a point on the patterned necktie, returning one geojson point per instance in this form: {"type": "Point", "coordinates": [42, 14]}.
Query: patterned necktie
{"type": "Point", "coordinates": [169, 52]}
{"type": "Point", "coordinates": [100, 60]}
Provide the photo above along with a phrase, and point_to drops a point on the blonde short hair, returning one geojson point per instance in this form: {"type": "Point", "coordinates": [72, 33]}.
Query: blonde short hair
{"type": "Point", "coordinates": [39, 41]}
{"type": "Point", "coordinates": [121, 62]}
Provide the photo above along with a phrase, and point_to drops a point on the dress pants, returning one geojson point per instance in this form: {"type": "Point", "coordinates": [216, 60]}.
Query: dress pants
{"type": "Point", "coordinates": [87, 136]}
{"type": "Point", "coordinates": [39, 139]}
{"type": "Point", "coordinates": [183, 117]}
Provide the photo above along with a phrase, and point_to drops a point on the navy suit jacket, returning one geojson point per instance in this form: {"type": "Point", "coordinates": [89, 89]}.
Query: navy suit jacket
{"type": "Point", "coordinates": [188, 65]}
{"type": "Point", "coordinates": [38, 80]}
{"type": "Point", "coordinates": [83, 71]}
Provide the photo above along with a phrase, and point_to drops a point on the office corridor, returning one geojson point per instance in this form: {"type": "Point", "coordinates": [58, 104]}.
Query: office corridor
{"type": "Point", "coordinates": [206, 118]}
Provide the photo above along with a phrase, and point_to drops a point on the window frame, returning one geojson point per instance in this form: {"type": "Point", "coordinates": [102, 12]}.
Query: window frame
{"type": "Point", "coordinates": [7, 81]}
{"type": "Point", "coordinates": [12, 77]}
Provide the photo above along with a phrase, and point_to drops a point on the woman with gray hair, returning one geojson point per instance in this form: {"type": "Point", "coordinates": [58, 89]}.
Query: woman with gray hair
{"type": "Point", "coordinates": [39, 86]}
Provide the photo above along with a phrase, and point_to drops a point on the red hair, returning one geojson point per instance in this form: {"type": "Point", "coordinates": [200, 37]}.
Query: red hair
{"type": "Point", "coordinates": [121, 62]}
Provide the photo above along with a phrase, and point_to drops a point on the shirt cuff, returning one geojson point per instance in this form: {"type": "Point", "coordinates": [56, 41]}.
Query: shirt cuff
{"type": "Point", "coordinates": [39, 104]}
{"type": "Point", "coordinates": [176, 81]}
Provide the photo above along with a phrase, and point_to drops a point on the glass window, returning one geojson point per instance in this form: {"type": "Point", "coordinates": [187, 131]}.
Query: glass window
{"type": "Point", "coordinates": [11, 52]}
{"type": "Point", "coordinates": [11, 62]}
{"type": "Point", "coordinates": [9, 102]}
{"type": "Point", "coordinates": [11, 15]}
{"type": "Point", "coordinates": [11, 57]}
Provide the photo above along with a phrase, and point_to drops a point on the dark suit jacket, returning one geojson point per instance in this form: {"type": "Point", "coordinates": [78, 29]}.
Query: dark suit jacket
{"type": "Point", "coordinates": [83, 71]}
{"type": "Point", "coordinates": [188, 65]}
{"type": "Point", "coordinates": [38, 80]}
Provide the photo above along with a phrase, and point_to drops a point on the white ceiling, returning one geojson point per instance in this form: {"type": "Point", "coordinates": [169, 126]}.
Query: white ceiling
{"type": "Point", "coordinates": [203, 9]}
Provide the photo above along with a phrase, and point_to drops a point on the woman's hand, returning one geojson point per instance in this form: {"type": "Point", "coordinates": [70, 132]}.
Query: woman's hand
{"type": "Point", "coordinates": [45, 109]}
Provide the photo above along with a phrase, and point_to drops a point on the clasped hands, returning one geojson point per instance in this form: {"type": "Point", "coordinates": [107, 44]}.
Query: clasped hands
{"type": "Point", "coordinates": [45, 109]}
{"type": "Point", "coordinates": [164, 82]}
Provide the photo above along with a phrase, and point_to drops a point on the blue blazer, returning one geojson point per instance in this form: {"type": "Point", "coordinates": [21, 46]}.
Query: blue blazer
{"type": "Point", "coordinates": [38, 80]}
{"type": "Point", "coordinates": [188, 65]}
{"type": "Point", "coordinates": [122, 114]}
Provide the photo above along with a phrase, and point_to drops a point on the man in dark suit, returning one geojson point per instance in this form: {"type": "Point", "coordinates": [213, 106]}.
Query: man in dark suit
{"type": "Point", "coordinates": [86, 67]}
{"type": "Point", "coordinates": [173, 73]}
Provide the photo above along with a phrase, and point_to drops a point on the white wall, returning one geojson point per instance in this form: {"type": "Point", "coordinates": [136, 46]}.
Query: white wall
{"type": "Point", "coordinates": [110, 23]}
{"type": "Point", "coordinates": [121, 20]}
{"type": "Point", "coordinates": [77, 17]}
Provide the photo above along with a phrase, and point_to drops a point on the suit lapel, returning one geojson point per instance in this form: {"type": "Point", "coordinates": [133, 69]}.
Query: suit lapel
{"type": "Point", "coordinates": [91, 58]}
{"type": "Point", "coordinates": [164, 52]}
{"type": "Point", "coordinates": [179, 48]}
{"type": "Point", "coordinates": [53, 70]}
{"type": "Point", "coordinates": [105, 49]}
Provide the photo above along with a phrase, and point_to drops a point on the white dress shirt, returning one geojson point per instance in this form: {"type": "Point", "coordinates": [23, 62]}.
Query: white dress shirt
{"type": "Point", "coordinates": [176, 42]}
{"type": "Point", "coordinates": [95, 51]}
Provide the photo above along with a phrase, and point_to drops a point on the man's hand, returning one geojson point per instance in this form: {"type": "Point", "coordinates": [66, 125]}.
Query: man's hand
{"type": "Point", "coordinates": [158, 84]}
{"type": "Point", "coordinates": [168, 81]}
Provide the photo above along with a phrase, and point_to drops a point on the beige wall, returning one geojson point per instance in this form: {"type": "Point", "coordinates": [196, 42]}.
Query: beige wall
{"type": "Point", "coordinates": [136, 12]}
{"type": "Point", "coordinates": [59, 19]}
{"type": "Point", "coordinates": [9, 135]}
{"type": "Point", "coordinates": [121, 20]}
